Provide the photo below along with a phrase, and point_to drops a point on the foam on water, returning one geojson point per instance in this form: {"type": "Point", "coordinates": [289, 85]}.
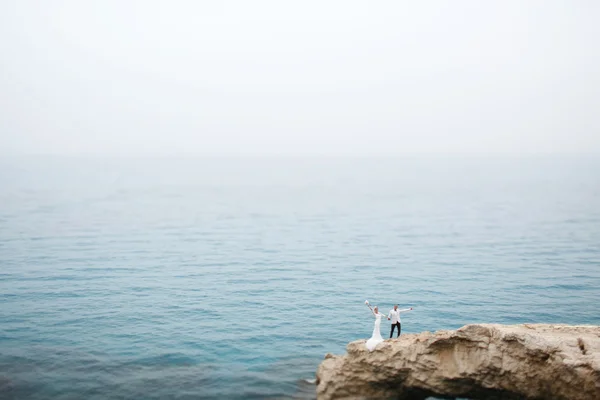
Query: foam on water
{"type": "Point", "coordinates": [231, 279]}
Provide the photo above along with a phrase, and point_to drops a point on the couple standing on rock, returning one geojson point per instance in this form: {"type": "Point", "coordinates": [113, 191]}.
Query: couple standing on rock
{"type": "Point", "coordinates": [393, 315]}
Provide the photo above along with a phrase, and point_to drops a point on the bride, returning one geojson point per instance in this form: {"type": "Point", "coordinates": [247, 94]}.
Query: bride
{"type": "Point", "coordinates": [376, 337]}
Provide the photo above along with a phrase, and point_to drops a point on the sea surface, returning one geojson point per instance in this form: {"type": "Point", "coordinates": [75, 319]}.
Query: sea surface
{"type": "Point", "coordinates": [182, 278]}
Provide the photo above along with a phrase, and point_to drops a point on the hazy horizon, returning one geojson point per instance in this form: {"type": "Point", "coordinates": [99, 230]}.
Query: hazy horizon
{"type": "Point", "coordinates": [263, 79]}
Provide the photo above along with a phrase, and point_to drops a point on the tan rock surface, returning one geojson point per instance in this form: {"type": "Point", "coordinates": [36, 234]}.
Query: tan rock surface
{"type": "Point", "coordinates": [476, 361]}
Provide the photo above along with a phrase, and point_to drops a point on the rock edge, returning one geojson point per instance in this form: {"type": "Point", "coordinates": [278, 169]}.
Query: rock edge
{"type": "Point", "coordinates": [481, 361]}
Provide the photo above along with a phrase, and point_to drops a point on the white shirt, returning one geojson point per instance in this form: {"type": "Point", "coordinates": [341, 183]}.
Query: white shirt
{"type": "Point", "coordinates": [395, 315]}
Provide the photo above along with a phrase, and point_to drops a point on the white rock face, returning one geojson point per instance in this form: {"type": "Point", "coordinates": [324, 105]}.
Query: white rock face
{"type": "Point", "coordinates": [476, 361]}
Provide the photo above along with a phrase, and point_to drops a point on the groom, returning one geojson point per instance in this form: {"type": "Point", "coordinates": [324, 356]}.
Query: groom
{"type": "Point", "coordinates": [394, 315]}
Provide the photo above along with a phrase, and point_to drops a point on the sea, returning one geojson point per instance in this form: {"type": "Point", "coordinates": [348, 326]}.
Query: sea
{"type": "Point", "coordinates": [232, 277]}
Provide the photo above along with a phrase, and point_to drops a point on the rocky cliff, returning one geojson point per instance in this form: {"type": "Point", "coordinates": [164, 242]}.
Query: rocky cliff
{"type": "Point", "coordinates": [477, 361]}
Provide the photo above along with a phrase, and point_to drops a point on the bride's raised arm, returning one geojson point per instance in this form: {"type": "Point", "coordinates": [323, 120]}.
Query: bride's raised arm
{"type": "Point", "coordinates": [371, 308]}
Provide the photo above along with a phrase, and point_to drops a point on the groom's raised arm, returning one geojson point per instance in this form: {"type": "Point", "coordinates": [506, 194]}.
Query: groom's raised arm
{"type": "Point", "coordinates": [405, 310]}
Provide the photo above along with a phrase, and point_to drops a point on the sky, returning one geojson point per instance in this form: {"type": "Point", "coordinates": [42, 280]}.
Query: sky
{"type": "Point", "coordinates": [147, 77]}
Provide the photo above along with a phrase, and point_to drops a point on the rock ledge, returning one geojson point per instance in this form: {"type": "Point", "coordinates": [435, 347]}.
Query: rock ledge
{"type": "Point", "coordinates": [486, 361]}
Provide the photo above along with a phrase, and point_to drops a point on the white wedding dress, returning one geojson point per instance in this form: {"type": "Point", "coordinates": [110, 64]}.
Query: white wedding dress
{"type": "Point", "coordinates": [376, 337]}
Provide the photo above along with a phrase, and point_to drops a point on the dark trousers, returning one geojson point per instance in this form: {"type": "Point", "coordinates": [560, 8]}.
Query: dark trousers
{"type": "Point", "coordinates": [397, 324]}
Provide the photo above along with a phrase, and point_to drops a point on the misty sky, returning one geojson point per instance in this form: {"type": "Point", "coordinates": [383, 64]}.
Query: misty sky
{"type": "Point", "coordinates": [124, 77]}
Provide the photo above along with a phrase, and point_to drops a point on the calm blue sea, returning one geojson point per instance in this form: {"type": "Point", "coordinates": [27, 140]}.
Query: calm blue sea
{"type": "Point", "coordinates": [231, 278]}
